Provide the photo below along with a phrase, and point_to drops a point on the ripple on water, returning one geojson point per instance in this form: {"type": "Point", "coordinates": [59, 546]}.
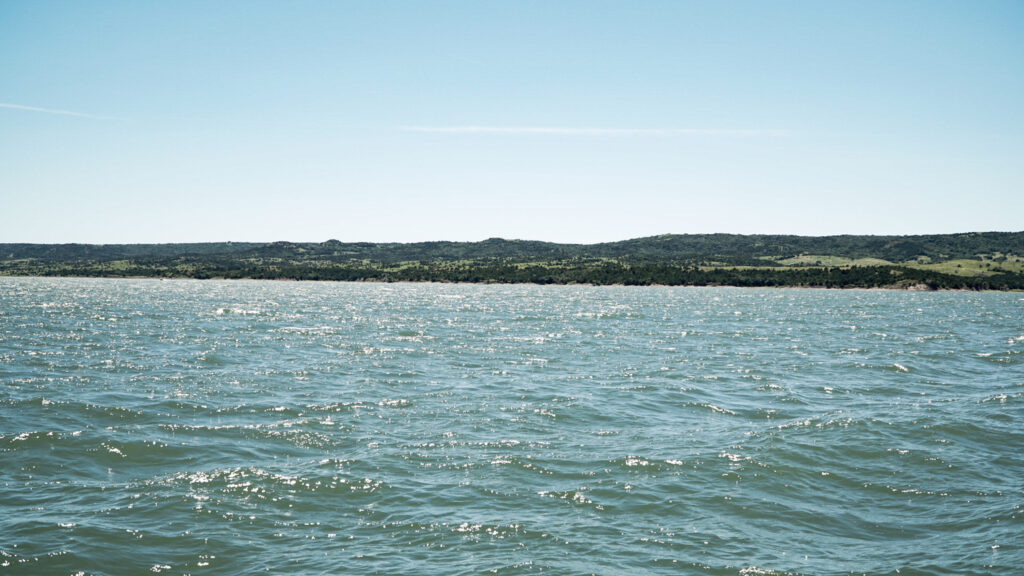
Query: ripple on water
{"type": "Point", "coordinates": [235, 428]}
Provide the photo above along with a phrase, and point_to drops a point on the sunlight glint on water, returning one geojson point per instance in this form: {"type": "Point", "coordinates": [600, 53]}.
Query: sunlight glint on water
{"type": "Point", "coordinates": [188, 427]}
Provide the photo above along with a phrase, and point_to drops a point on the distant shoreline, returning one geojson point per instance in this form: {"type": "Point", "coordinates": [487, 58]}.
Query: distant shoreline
{"type": "Point", "coordinates": [971, 261]}
{"type": "Point", "coordinates": [911, 288]}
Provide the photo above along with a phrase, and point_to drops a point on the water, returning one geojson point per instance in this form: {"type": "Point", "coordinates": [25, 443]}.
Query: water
{"type": "Point", "coordinates": [187, 427]}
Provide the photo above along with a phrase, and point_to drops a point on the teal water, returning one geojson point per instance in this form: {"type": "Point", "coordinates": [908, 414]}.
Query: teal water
{"type": "Point", "coordinates": [203, 427]}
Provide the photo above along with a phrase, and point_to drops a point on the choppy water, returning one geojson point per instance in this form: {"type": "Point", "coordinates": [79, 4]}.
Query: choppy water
{"type": "Point", "coordinates": [187, 427]}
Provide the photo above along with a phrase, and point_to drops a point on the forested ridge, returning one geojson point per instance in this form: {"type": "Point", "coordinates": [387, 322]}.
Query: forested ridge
{"type": "Point", "coordinates": [984, 260]}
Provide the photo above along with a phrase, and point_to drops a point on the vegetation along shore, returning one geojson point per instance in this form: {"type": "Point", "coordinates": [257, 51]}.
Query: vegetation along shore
{"type": "Point", "coordinates": [971, 261]}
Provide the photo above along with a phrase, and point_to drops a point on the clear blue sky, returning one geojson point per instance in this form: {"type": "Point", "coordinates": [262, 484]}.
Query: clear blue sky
{"type": "Point", "coordinates": [552, 120]}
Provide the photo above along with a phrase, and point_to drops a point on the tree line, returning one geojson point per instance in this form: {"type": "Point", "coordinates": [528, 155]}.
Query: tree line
{"type": "Point", "coordinates": [596, 273]}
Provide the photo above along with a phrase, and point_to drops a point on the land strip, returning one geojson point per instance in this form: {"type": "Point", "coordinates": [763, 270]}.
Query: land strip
{"type": "Point", "coordinates": [974, 261]}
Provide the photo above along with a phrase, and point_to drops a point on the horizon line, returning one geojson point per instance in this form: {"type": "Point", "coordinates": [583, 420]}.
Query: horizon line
{"type": "Point", "coordinates": [515, 239]}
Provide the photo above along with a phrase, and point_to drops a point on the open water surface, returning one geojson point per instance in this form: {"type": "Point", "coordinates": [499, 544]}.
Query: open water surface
{"type": "Point", "coordinates": [205, 427]}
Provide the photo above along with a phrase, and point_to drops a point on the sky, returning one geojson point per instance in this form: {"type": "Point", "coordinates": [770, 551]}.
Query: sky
{"type": "Point", "coordinates": [565, 121]}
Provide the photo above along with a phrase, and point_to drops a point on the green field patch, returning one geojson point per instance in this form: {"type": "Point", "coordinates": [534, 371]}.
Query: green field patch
{"type": "Point", "coordinates": [831, 261]}
{"type": "Point", "coordinates": [116, 265]}
{"type": "Point", "coordinates": [741, 267]}
{"type": "Point", "coordinates": [964, 267]}
{"type": "Point", "coordinates": [870, 262]}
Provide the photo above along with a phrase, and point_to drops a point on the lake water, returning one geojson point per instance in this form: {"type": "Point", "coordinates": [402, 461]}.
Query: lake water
{"type": "Point", "coordinates": [205, 427]}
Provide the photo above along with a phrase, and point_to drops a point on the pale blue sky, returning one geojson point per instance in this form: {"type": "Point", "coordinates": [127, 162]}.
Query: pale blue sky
{"type": "Point", "coordinates": [554, 120]}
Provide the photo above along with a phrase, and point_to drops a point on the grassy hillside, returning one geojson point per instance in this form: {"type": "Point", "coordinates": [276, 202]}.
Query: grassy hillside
{"type": "Point", "coordinates": [973, 260]}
